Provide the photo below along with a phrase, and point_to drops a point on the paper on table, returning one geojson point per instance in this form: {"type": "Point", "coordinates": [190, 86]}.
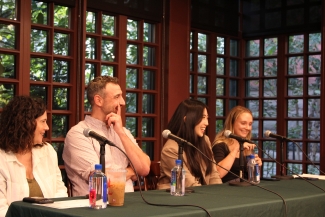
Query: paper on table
{"type": "Point", "coordinates": [321, 177]}
{"type": "Point", "coordinates": [66, 204]}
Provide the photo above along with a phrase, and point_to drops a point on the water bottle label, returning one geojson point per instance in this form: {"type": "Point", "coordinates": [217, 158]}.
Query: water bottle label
{"type": "Point", "coordinates": [173, 183]}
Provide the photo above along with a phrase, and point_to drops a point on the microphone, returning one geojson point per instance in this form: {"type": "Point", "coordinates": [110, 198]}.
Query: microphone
{"type": "Point", "coordinates": [228, 134]}
{"type": "Point", "coordinates": [268, 133]}
{"type": "Point", "coordinates": [168, 135]}
{"type": "Point", "coordinates": [90, 133]}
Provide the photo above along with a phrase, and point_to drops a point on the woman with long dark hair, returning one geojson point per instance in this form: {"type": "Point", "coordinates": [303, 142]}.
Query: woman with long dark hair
{"type": "Point", "coordinates": [189, 122]}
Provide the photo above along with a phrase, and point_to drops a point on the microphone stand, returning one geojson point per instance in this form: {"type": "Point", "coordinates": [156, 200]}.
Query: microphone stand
{"type": "Point", "coordinates": [102, 155]}
{"type": "Point", "coordinates": [282, 176]}
{"type": "Point", "coordinates": [242, 183]}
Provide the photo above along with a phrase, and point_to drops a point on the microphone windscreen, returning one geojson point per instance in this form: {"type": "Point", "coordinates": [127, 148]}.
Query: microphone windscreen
{"type": "Point", "coordinates": [165, 133]}
{"type": "Point", "coordinates": [227, 133]}
{"type": "Point", "coordinates": [267, 133]}
{"type": "Point", "coordinates": [86, 132]}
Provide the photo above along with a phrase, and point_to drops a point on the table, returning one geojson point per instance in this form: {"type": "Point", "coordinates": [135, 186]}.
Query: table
{"type": "Point", "coordinates": [302, 199]}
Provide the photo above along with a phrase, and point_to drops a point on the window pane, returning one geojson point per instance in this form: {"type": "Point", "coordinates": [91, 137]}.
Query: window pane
{"type": "Point", "coordinates": [311, 169]}
{"type": "Point", "coordinates": [270, 67]}
{"type": "Point", "coordinates": [255, 129]}
{"type": "Point", "coordinates": [233, 91]}
{"type": "Point", "coordinates": [270, 46]}
{"type": "Point", "coordinates": [202, 85]}
{"type": "Point", "coordinates": [294, 129]}
{"type": "Point", "coordinates": [220, 62]}
{"type": "Point", "coordinates": [148, 103]}
{"type": "Point", "coordinates": [313, 152]}
{"type": "Point", "coordinates": [220, 45]}
{"type": "Point", "coordinates": [38, 69]}
{"type": "Point", "coordinates": [90, 48]}
{"type": "Point", "coordinates": [233, 68]}
{"type": "Point", "coordinates": [252, 88]}
{"type": "Point", "coordinates": [191, 84]}
{"type": "Point", "coordinates": [149, 54]}
{"type": "Point", "coordinates": [294, 169]}
{"type": "Point", "coordinates": [147, 127]}
{"type": "Point", "coordinates": [232, 103]}
{"type": "Point", "coordinates": [314, 64]}
{"type": "Point", "coordinates": [202, 63]}
{"type": "Point", "coordinates": [8, 9]}
{"type": "Point", "coordinates": [314, 85]}
{"type": "Point", "coordinates": [315, 42]}
{"type": "Point", "coordinates": [60, 99]}
{"type": "Point", "coordinates": [131, 124]}
{"type": "Point", "coordinates": [314, 108]}
{"type": "Point", "coordinates": [203, 99]}
{"type": "Point", "coordinates": [131, 103]}
{"type": "Point", "coordinates": [87, 105]}
{"type": "Point", "coordinates": [132, 54]}
{"type": "Point", "coordinates": [90, 70]}
{"type": "Point", "coordinates": [131, 78]}
{"type": "Point", "coordinates": [91, 22]}
{"type": "Point", "coordinates": [202, 42]}
{"type": "Point", "coordinates": [61, 44]}
{"type": "Point", "coordinates": [39, 91]}
{"type": "Point", "coordinates": [269, 125]}
{"type": "Point", "coordinates": [108, 25]}
{"type": "Point", "coordinates": [295, 108]}
{"type": "Point", "coordinates": [149, 32]}
{"type": "Point", "coordinates": [148, 80]}
{"type": "Point", "coordinates": [296, 44]}
{"type": "Point", "coordinates": [269, 169]}
{"type": "Point", "coordinates": [253, 105]}
{"type": "Point", "coordinates": [252, 68]}
{"type": "Point", "coordinates": [295, 86]}
{"type": "Point", "coordinates": [39, 12]}
{"type": "Point", "coordinates": [132, 30]}
{"type": "Point", "coordinates": [108, 50]}
{"type": "Point", "coordinates": [253, 48]}
{"type": "Point", "coordinates": [191, 62]}
{"type": "Point", "coordinates": [294, 151]}
{"type": "Point", "coordinates": [269, 147]}
{"type": "Point", "coordinates": [270, 87]}
{"type": "Point", "coordinates": [220, 107]}
{"type": "Point", "coordinates": [314, 130]}
{"type": "Point", "coordinates": [219, 125]}
{"type": "Point", "coordinates": [61, 16]}
{"type": "Point", "coordinates": [148, 148]}
{"type": "Point", "coordinates": [60, 71]}
{"type": "Point", "coordinates": [7, 36]}
{"type": "Point", "coordinates": [270, 108]}
{"type": "Point", "coordinates": [107, 70]}
{"type": "Point", "coordinates": [59, 126]}
{"type": "Point", "coordinates": [38, 41]}
{"type": "Point", "coordinates": [220, 84]}
{"type": "Point", "coordinates": [295, 65]}
{"type": "Point", "coordinates": [233, 48]}
{"type": "Point", "coordinates": [7, 92]}
{"type": "Point", "coordinates": [7, 66]}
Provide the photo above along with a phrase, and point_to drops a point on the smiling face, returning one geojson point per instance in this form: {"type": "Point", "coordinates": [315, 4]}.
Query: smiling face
{"type": "Point", "coordinates": [243, 124]}
{"type": "Point", "coordinates": [200, 128]}
{"type": "Point", "coordinates": [112, 98]}
{"type": "Point", "coordinates": [41, 128]}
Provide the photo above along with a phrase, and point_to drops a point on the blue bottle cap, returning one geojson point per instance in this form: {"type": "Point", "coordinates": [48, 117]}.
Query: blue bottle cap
{"type": "Point", "coordinates": [178, 161]}
{"type": "Point", "coordinates": [98, 167]}
{"type": "Point", "coordinates": [251, 156]}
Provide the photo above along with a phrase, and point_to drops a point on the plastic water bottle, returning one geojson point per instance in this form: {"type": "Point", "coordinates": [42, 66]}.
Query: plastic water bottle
{"type": "Point", "coordinates": [98, 189]}
{"type": "Point", "coordinates": [177, 184]}
{"type": "Point", "coordinates": [253, 170]}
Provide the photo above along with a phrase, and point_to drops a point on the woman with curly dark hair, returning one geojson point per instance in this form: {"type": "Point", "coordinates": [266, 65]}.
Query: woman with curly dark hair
{"type": "Point", "coordinates": [189, 122]}
{"type": "Point", "coordinates": [28, 166]}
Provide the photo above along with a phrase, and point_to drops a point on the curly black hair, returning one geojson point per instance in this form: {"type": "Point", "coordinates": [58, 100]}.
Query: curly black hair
{"type": "Point", "coordinates": [18, 123]}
